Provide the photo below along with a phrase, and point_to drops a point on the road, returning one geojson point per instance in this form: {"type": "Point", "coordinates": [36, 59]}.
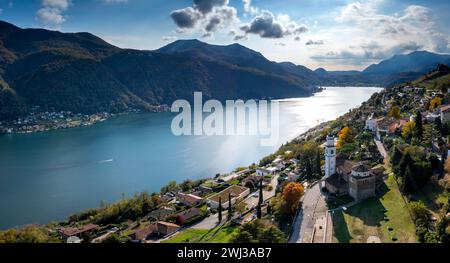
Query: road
{"type": "Point", "coordinates": [381, 148]}
{"type": "Point", "coordinates": [313, 206]}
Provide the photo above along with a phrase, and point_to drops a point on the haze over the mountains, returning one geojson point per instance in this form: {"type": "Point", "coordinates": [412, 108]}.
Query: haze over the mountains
{"type": "Point", "coordinates": [80, 72]}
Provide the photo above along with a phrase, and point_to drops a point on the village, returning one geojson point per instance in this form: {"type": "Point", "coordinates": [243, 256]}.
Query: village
{"type": "Point", "coordinates": [45, 121]}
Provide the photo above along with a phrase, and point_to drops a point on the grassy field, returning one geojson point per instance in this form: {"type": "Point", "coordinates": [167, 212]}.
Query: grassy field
{"type": "Point", "coordinates": [220, 234]}
{"type": "Point", "coordinates": [386, 217]}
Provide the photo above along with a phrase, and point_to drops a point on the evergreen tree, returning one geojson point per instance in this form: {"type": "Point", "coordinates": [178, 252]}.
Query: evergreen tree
{"type": "Point", "coordinates": [260, 202]}
{"type": "Point", "coordinates": [404, 163]}
{"type": "Point", "coordinates": [438, 125]}
{"type": "Point", "coordinates": [409, 185]}
{"type": "Point", "coordinates": [258, 211]}
{"type": "Point", "coordinates": [319, 164]}
{"type": "Point", "coordinates": [308, 169]}
{"type": "Point", "coordinates": [230, 209]}
{"type": "Point", "coordinates": [220, 209]}
{"type": "Point", "coordinates": [269, 209]}
{"type": "Point", "coordinates": [419, 125]}
{"type": "Point", "coordinates": [261, 197]}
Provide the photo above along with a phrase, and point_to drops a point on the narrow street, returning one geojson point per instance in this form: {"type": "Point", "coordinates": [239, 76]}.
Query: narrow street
{"type": "Point", "coordinates": [313, 208]}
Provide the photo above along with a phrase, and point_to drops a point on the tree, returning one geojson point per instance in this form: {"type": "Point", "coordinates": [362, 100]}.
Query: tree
{"type": "Point", "coordinates": [318, 166]}
{"type": "Point", "coordinates": [260, 202]}
{"type": "Point", "coordinates": [220, 209]}
{"type": "Point", "coordinates": [171, 186]}
{"type": "Point", "coordinates": [230, 209]}
{"type": "Point", "coordinates": [418, 210]}
{"type": "Point", "coordinates": [258, 231]}
{"type": "Point", "coordinates": [394, 112]}
{"type": "Point", "coordinates": [447, 165]}
{"type": "Point", "coordinates": [292, 194]}
{"type": "Point", "coordinates": [419, 125]}
{"type": "Point", "coordinates": [345, 137]}
{"type": "Point", "coordinates": [435, 102]}
{"type": "Point", "coordinates": [308, 169]}
{"type": "Point", "coordinates": [408, 130]}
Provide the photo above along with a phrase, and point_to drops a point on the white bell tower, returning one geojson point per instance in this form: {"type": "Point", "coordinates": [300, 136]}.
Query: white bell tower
{"type": "Point", "coordinates": [330, 157]}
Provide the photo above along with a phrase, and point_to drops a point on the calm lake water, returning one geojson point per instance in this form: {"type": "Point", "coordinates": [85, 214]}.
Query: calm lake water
{"type": "Point", "coordinates": [48, 176]}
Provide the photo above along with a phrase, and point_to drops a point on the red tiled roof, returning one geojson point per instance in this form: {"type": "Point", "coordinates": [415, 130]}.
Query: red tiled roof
{"type": "Point", "coordinates": [167, 224]}
{"type": "Point", "coordinates": [73, 231]}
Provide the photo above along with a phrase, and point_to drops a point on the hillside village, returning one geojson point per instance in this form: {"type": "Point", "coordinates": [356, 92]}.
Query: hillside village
{"type": "Point", "coordinates": [376, 174]}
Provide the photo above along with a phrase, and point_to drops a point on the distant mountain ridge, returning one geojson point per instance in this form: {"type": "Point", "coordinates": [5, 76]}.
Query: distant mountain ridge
{"type": "Point", "coordinates": [80, 72]}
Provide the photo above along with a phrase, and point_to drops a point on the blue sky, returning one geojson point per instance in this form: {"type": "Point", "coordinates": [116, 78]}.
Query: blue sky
{"type": "Point", "coordinates": [334, 34]}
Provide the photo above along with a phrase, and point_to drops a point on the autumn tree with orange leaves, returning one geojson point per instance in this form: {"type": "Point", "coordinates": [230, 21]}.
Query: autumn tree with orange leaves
{"type": "Point", "coordinates": [345, 137]}
{"type": "Point", "coordinates": [291, 195]}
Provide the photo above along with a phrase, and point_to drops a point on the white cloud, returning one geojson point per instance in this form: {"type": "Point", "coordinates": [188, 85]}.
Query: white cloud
{"type": "Point", "coordinates": [51, 12]}
{"type": "Point", "coordinates": [48, 15]}
{"type": "Point", "coordinates": [375, 36]}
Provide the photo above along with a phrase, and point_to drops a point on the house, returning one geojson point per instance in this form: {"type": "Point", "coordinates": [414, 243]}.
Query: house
{"type": "Point", "coordinates": [189, 199]}
{"type": "Point", "coordinates": [143, 233]}
{"type": "Point", "coordinates": [205, 189]}
{"type": "Point", "coordinates": [408, 89]}
{"type": "Point", "coordinates": [389, 126]}
{"type": "Point", "coordinates": [236, 192]}
{"type": "Point", "coordinates": [371, 124]}
{"type": "Point", "coordinates": [293, 176]}
{"type": "Point", "coordinates": [165, 228]}
{"type": "Point", "coordinates": [294, 161]}
{"type": "Point", "coordinates": [188, 215]}
{"type": "Point", "coordinates": [76, 231]}
{"type": "Point", "coordinates": [252, 181]}
{"type": "Point", "coordinates": [445, 113]}
{"type": "Point", "coordinates": [161, 213]}
{"type": "Point", "coordinates": [358, 180]}
{"type": "Point", "coordinates": [431, 117]}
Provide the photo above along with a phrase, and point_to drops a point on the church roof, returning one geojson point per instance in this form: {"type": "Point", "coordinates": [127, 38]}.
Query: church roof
{"type": "Point", "coordinates": [361, 168]}
{"type": "Point", "coordinates": [337, 181]}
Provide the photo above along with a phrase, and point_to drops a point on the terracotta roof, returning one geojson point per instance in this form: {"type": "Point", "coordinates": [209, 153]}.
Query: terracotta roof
{"type": "Point", "coordinates": [189, 198]}
{"type": "Point", "coordinates": [187, 214]}
{"type": "Point", "coordinates": [345, 166]}
{"type": "Point", "coordinates": [445, 108]}
{"type": "Point", "coordinates": [167, 224]}
{"type": "Point", "coordinates": [143, 233]}
{"type": "Point", "coordinates": [73, 231]}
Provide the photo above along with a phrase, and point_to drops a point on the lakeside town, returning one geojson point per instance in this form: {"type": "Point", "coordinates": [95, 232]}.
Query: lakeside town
{"type": "Point", "coordinates": [41, 121]}
{"type": "Point", "coordinates": [378, 174]}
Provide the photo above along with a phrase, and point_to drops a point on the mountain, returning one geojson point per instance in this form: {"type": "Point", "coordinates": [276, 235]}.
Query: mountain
{"type": "Point", "coordinates": [387, 73]}
{"type": "Point", "coordinates": [80, 72]}
{"type": "Point", "coordinates": [418, 62]}
{"type": "Point", "coordinates": [239, 56]}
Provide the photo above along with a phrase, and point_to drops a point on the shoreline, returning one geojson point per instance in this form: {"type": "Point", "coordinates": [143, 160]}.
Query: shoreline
{"type": "Point", "coordinates": [298, 137]}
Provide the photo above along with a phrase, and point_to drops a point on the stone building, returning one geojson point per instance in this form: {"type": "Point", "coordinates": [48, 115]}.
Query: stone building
{"type": "Point", "coordinates": [355, 179]}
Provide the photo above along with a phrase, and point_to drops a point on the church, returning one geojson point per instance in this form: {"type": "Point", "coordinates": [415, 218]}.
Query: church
{"type": "Point", "coordinates": [346, 177]}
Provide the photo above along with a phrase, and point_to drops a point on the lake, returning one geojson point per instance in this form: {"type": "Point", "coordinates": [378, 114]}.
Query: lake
{"type": "Point", "coordinates": [49, 176]}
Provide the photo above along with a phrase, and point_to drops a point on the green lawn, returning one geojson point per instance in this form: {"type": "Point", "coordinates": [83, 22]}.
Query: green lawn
{"type": "Point", "coordinates": [220, 234]}
{"type": "Point", "coordinates": [368, 219]}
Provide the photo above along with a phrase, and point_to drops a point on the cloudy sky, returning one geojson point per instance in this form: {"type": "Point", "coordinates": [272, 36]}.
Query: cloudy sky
{"type": "Point", "coordinates": [334, 34]}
